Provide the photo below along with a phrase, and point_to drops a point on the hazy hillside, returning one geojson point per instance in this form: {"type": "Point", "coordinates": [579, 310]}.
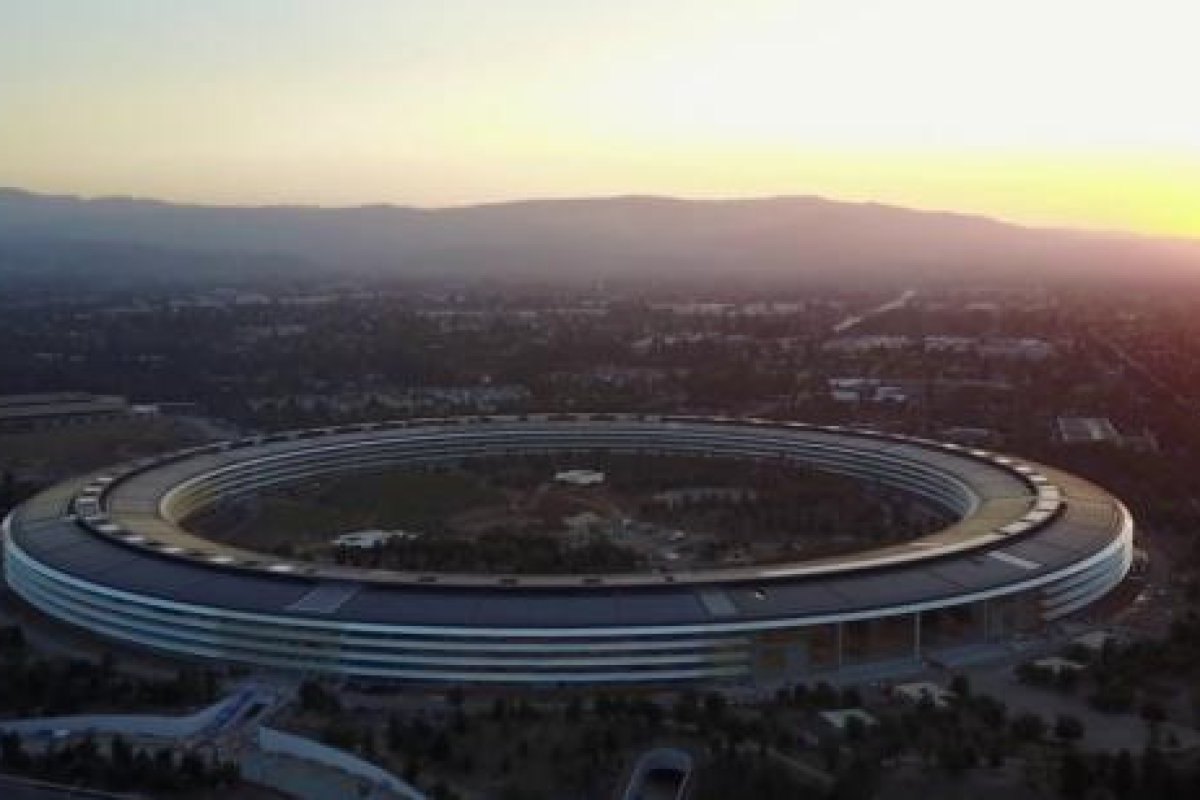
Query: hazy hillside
{"type": "Point", "coordinates": [801, 237]}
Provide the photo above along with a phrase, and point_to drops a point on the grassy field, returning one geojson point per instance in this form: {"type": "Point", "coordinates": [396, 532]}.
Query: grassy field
{"type": "Point", "coordinates": [401, 498]}
{"type": "Point", "coordinates": [508, 515]}
{"type": "Point", "coordinates": [397, 499]}
{"type": "Point", "coordinates": [53, 454]}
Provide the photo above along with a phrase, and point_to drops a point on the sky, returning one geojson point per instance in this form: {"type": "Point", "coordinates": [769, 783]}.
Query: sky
{"type": "Point", "coordinates": [1057, 112]}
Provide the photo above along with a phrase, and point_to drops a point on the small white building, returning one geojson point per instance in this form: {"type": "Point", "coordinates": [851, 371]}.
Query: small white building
{"type": "Point", "coordinates": [586, 522]}
{"type": "Point", "coordinates": [1017, 348]}
{"type": "Point", "coordinates": [894, 395]}
{"type": "Point", "coordinates": [846, 396]}
{"type": "Point", "coordinates": [1057, 664]}
{"type": "Point", "coordinates": [674, 498]}
{"type": "Point", "coordinates": [580, 477]}
{"type": "Point", "coordinates": [865, 343]}
{"type": "Point", "coordinates": [1087, 430]}
{"type": "Point", "coordinates": [1094, 641]}
{"type": "Point", "coordinates": [838, 718]}
{"type": "Point", "coordinates": [366, 540]}
{"type": "Point", "coordinates": [921, 690]}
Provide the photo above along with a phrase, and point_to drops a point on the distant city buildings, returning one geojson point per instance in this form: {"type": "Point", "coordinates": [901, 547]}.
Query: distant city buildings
{"type": "Point", "coordinates": [1072, 430]}
{"type": "Point", "coordinates": [923, 691]}
{"type": "Point", "coordinates": [37, 411]}
{"type": "Point", "coordinates": [839, 720]}
{"type": "Point", "coordinates": [676, 498]}
{"type": "Point", "coordinates": [856, 390]}
{"type": "Point", "coordinates": [370, 539]}
{"type": "Point", "coordinates": [426, 399]}
{"type": "Point", "coordinates": [1004, 348]}
{"type": "Point", "coordinates": [1087, 430]}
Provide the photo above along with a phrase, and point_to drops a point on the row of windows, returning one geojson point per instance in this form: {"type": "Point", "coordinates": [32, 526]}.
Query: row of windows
{"type": "Point", "coordinates": [346, 661]}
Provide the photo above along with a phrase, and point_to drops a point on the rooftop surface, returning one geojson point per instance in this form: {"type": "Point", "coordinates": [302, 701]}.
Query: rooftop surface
{"type": "Point", "coordinates": [1021, 522]}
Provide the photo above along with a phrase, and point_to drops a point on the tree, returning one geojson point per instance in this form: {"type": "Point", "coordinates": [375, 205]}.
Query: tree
{"type": "Point", "coordinates": [1028, 727]}
{"type": "Point", "coordinates": [394, 736]}
{"type": "Point", "coordinates": [1068, 728]}
{"type": "Point", "coordinates": [1124, 775]}
{"type": "Point", "coordinates": [1153, 713]}
{"type": "Point", "coordinates": [12, 755]}
{"type": "Point", "coordinates": [412, 769]}
{"type": "Point", "coordinates": [992, 711]}
{"type": "Point", "coordinates": [440, 750]}
{"type": "Point", "coordinates": [12, 640]}
{"type": "Point", "coordinates": [441, 791]}
{"type": "Point", "coordinates": [856, 729]}
{"type": "Point", "coordinates": [1066, 679]}
{"type": "Point", "coordinates": [824, 696]}
{"type": "Point", "coordinates": [1158, 776]}
{"type": "Point", "coordinates": [1113, 696]}
{"type": "Point", "coordinates": [686, 710]}
{"type": "Point", "coordinates": [499, 709]}
{"type": "Point", "coordinates": [858, 781]}
{"type": "Point", "coordinates": [1074, 776]}
{"type": "Point", "coordinates": [714, 706]}
{"type": "Point", "coordinates": [315, 697]}
{"type": "Point", "coordinates": [1034, 675]}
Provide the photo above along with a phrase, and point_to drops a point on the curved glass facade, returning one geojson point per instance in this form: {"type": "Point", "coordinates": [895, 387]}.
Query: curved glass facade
{"type": "Point", "coordinates": [975, 584]}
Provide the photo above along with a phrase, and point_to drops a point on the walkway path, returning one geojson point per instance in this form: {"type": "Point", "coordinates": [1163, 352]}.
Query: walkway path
{"type": "Point", "coordinates": [233, 730]}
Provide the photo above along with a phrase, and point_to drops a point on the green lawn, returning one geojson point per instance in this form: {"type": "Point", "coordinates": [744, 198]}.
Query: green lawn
{"type": "Point", "coordinates": [420, 501]}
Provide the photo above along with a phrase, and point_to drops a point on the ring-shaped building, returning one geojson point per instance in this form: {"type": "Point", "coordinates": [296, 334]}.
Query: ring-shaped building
{"type": "Point", "coordinates": [108, 553]}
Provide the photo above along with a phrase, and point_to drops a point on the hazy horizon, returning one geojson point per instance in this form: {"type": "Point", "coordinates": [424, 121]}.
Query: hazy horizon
{"type": "Point", "coordinates": [1067, 115]}
{"type": "Point", "coordinates": [619, 196]}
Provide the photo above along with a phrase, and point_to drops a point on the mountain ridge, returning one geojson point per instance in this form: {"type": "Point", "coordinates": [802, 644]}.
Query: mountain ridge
{"type": "Point", "coordinates": [802, 236]}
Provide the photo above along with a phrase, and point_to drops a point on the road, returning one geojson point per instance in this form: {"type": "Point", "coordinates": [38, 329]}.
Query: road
{"type": "Point", "coordinates": [233, 728]}
{"type": "Point", "coordinates": [853, 321]}
{"type": "Point", "coordinates": [1185, 403]}
{"type": "Point", "coordinates": [225, 726]}
{"type": "Point", "coordinates": [20, 789]}
{"type": "Point", "coordinates": [663, 773]}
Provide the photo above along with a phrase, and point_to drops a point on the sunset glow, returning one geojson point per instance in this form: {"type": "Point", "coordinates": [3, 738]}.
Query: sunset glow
{"type": "Point", "coordinates": [1064, 113]}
